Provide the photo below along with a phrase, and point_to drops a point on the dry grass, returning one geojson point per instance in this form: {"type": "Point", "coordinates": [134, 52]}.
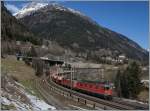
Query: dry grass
{"type": "Point", "coordinates": [18, 69]}
{"type": "Point", "coordinates": [20, 72]}
{"type": "Point", "coordinates": [144, 95]}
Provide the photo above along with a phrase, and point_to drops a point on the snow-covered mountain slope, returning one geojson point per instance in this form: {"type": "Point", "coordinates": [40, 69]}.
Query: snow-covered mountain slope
{"type": "Point", "coordinates": [62, 24]}
{"type": "Point", "coordinates": [34, 6]}
{"type": "Point", "coordinates": [29, 8]}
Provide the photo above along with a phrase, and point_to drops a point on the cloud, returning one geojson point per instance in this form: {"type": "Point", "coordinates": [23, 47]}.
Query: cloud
{"type": "Point", "coordinates": [12, 8]}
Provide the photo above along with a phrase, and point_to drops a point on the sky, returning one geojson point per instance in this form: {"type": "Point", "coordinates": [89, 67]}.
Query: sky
{"type": "Point", "coordinates": [130, 18]}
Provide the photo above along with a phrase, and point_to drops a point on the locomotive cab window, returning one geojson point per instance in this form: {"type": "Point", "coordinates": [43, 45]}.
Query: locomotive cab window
{"type": "Point", "coordinates": [106, 88]}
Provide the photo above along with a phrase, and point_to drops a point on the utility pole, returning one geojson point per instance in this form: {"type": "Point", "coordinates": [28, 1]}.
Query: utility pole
{"type": "Point", "coordinates": [73, 73]}
{"type": "Point", "coordinates": [102, 75]}
{"type": "Point", "coordinates": [65, 56]}
{"type": "Point", "coordinates": [71, 77]}
{"type": "Point", "coordinates": [57, 69]}
{"type": "Point", "coordinates": [77, 72]}
{"type": "Point", "coordinates": [99, 74]}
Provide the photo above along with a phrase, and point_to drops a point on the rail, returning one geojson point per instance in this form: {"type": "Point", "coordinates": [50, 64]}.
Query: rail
{"type": "Point", "coordinates": [91, 101]}
{"type": "Point", "coordinates": [94, 102]}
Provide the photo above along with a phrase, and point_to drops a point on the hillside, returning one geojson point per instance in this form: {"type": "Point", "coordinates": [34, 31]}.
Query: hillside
{"type": "Point", "coordinates": [12, 29]}
{"type": "Point", "coordinates": [74, 30]}
{"type": "Point", "coordinates": [18, 87]}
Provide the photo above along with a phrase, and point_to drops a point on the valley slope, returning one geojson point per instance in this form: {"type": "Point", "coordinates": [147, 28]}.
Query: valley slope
{"type": "Point", "coordinates": [12, 29]}
{"type": "Point", "coordinates": [78, 32]}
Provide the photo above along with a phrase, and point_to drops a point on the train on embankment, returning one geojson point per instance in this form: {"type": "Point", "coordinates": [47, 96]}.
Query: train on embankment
{"type": "Point", "coordinates": [99, 89]}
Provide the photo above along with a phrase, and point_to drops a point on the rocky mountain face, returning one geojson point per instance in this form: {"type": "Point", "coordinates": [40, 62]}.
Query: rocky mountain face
{"type": "Point", "coordinates": [30, 8]}
{"type": "Point", "coordinates": [12, 29]}
{"type": "Point", "coordinates": [72, 29]}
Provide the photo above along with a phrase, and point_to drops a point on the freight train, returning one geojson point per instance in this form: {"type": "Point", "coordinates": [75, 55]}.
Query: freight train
{"type": "Point", "coordinates": [98, 89]}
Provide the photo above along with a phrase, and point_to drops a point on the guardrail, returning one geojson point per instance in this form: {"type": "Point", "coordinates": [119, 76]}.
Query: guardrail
{"type": "Point", "coordinates": [92, 102]}
{"type": "Point", "coordinates": [89, 101]}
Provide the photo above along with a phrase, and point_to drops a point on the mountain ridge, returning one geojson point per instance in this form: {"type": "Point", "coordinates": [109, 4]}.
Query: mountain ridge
{"type": "Point", "coordinates": [79, 33]}
{"type": "Point", "coordinates": [12, 29]}
{"type": "Point", "coordinates": [28, 9]}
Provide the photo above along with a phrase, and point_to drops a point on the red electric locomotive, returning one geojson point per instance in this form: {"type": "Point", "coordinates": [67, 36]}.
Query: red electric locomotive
{"type": "Point", "coordinates": [102, 90]}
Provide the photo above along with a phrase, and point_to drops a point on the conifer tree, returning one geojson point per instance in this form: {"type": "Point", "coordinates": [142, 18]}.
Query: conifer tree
{"type": "Point", "coordinates": [128, 83]}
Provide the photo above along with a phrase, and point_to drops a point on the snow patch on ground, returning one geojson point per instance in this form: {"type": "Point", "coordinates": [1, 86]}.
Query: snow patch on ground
{"type": "Point", "coordinates": [18, 105]}
{"type": "Point", "coordinates": [15, 97]}
{"type": "Point", "coordinates": [36, 103]}
{"type": "Point", "coordinates": [39, 104]}
{"type": "Point", "coordinates": [5, 101]}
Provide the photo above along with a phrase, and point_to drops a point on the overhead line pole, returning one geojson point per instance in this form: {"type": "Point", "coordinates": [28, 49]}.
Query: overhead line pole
{"type": "Point", "coordinates": [71, 77]}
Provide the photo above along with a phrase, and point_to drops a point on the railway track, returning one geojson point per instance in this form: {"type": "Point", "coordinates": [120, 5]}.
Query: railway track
{"type": "Point", "coordinates": [95, 102]}
{"type": "Point", "coordinates": [44, 92]}
{"type": "Point", "coordinates": [48, 95]}
{"type": "Point", "coordinates": [136, 105]}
